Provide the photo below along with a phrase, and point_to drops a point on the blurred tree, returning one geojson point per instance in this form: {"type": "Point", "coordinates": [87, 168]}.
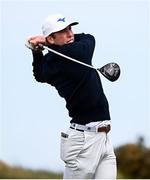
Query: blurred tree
{"type": "Point", "coordinates": [134, 160]}
{"type": "Point", "coordinates": [140, 141]}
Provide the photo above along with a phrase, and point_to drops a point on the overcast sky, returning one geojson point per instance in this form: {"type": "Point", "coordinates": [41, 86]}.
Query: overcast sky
{"type": "Point", "coordinates": [32, 113]}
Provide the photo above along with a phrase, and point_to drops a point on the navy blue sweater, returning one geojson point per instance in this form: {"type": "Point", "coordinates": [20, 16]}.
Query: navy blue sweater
{"type": "Point", "coordinates": [80, 86]}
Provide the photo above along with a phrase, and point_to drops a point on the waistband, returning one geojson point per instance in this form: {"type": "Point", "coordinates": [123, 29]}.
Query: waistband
{"type": "Point", "coordinates": [82, 128]}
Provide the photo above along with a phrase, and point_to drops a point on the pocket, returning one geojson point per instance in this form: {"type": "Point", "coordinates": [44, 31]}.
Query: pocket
{"type": "Point", "coordinates": [72, 143]}
{"type": "Point", "coordinates": [64, 138]}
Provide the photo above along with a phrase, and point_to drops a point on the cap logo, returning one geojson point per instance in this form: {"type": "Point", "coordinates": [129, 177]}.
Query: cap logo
{"type": "Point", "coordinates": [61, 19]}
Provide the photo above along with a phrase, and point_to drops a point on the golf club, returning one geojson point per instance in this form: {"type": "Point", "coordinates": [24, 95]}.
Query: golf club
{"type": "Point", "coordinates": [111, 70]}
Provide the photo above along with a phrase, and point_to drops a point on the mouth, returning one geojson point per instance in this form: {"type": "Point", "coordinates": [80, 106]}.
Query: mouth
{"type": "Point", "coordinates": [70, 41]}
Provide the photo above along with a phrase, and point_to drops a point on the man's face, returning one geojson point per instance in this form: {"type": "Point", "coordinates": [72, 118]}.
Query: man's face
{"type": "Point", "coordinates": [62, 37]}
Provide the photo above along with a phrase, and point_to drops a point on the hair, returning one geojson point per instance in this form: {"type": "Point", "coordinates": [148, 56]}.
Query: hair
{"type": "Point", "coordinates": [52, 35]}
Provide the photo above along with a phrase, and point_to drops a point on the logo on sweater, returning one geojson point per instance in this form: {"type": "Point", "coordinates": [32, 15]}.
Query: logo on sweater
{"type": "Point", "coordinates": [61, 19]}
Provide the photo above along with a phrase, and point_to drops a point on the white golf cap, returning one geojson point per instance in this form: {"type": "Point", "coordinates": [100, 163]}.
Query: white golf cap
{"type": "Point", "coordinates": [55, 23]}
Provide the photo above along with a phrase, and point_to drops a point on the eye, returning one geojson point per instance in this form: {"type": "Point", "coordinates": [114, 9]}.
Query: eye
{"type": "Point", "coordinates": [64, 30]}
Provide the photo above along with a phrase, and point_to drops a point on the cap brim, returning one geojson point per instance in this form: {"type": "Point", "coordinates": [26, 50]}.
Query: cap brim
{"type": "Point", "coordinates": [74, 23]}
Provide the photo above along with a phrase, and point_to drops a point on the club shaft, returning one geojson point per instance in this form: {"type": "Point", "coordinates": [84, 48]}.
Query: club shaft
{"type": "Point", "coordinates": [67, 57]}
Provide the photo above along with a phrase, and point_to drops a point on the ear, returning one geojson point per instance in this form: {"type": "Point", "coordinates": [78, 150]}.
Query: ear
{"type": "Point", "coordinates": [50, 39]}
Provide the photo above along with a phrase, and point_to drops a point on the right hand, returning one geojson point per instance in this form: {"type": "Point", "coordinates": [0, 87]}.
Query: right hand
{"type": "Point", "coordinates": [34, 41]}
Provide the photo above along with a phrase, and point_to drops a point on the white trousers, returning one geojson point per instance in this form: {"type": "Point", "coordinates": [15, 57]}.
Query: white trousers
{"type": "Point", "coordinates": [87, 155]}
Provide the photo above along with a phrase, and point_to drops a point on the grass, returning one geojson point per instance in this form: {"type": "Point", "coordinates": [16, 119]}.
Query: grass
{"type": "Point", "coordinates": [9, 172]}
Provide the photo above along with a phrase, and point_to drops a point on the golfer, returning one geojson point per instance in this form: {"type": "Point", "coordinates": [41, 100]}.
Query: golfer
{"type": "Point", "coordinates": [85, 147]}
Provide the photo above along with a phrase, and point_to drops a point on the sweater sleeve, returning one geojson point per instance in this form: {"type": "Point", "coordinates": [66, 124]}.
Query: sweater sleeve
{"type": "Point", "coordinates": [38, 66]}
{"type": "Point", "coordinates": [82, 49]}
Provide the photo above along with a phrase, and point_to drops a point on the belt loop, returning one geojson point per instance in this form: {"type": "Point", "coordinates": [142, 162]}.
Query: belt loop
{"type": "Point", "coordinates": [74, 125]}
{"type": "Point", "coordinates": [96, 129]}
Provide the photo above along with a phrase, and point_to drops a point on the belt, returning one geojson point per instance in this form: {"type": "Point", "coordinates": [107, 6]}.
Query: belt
{"type": "Point", "coordinates": [83, 128]}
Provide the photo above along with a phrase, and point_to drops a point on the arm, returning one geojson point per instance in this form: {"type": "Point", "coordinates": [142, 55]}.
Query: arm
{"type": "Point", "coordinates": [82, 49]}
{"type": "Point", "coordinates": [37, 56]}
{"type": "Point", "coordinates": [38, 66]}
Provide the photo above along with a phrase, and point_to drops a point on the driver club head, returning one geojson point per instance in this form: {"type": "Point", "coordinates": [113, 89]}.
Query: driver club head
{"type": "Point", "coordinates": [111, 71]}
